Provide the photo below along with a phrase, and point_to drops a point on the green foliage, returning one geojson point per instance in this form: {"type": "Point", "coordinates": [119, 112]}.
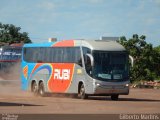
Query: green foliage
{"type": "Point", "coordinates": [157, 62]}
{"type": "Point", "coordinates": [11, 34]}
{"type": "Point", "coordinates": [157, 48]}
{"type": "Point", "coordinates": [146, 58]}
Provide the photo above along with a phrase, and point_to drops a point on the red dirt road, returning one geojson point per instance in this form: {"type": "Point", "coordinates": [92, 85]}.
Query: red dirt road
{"type": "Point", "coordinates": [13, 100]}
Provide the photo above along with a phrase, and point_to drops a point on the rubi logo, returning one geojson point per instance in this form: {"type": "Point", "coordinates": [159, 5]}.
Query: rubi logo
{"type": "Point", "coordinates": [61, 78]}
{"type": "Point", "coordinates": [62, 74]}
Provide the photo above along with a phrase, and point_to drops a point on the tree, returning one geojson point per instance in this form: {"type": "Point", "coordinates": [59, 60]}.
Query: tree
{"type": "Point", "coordinates": [157, 48]}
{"type": "Point", "coordinates": [145, 57]}
{"type": "Point", "coordinates": [11, 34]}
{"type": "Point", "coordinates": [157, 61]}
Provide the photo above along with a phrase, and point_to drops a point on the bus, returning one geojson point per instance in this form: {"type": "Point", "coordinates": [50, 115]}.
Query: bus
{"type": "Point", "coordinates": [81, 67]}
{"type": "Point", "coordinates": [9, 55]}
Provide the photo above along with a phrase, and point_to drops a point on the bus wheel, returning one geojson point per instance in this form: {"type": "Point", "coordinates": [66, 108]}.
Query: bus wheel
{"type": "Point", "coordinates": [82, 93]}
{"type": "Point", "coordinates": [41, 90]}
{"type": "Point", "coordinates": [114, 97]}
{"type": "Point", "coordinates": [34, 88]}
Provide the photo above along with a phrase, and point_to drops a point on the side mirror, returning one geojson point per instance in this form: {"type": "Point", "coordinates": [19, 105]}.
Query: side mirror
{"type": "Point", "coordinates": [132, 60]}
{"type": "Point", "coordinates": [89, 63]}
{"type": "Point", "coordinates": [89, 57]}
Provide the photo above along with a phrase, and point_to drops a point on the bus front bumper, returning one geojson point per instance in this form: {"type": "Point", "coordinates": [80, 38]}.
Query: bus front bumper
{"type": "Point", "coordinates": [111, 89]}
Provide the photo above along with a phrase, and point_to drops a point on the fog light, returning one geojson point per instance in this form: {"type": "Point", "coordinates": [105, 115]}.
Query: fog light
{"type": "Point", "coordinates": [127, 85]}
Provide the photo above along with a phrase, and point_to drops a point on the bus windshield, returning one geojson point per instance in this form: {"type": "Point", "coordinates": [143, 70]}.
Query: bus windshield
{"type": "Point", "coordinates": [110, 66]}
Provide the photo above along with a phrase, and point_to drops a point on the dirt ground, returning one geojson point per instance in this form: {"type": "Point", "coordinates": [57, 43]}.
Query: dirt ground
{"type": "Point", "coordinates": [13, 100]}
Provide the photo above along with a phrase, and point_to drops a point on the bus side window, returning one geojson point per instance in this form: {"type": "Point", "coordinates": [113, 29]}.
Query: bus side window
{"type": "Point", "coordinates": [78, 58]}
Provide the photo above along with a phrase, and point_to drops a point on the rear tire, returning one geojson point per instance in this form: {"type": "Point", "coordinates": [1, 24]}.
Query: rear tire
{"type": "Point", "coordinates": [41, 90]}
{"type": "Point", "coordinates": [114, 97]}
{"type": "Point", "coordinates": [82, 93]}
{"type": "Point", "coordinates": [34, 88]}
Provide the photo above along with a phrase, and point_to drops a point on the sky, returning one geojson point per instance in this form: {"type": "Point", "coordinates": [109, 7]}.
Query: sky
{"type": "Point", "coordinates": [83, 19]}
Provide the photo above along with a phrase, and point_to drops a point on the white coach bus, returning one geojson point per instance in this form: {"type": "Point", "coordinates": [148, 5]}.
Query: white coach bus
{"type": "Point", "coordinates": [82, 67]}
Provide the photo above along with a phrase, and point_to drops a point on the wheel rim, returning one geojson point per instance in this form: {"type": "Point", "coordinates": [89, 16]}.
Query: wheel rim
{"type": "Point", "coordinates": [41, 89]}
{"type": "Point", "coordinates": [82, 92]}
{"type": "Point", "coordinates": [34, 88]}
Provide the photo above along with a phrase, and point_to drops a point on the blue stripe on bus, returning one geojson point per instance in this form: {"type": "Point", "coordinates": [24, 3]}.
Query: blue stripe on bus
{"type": "Point", "coordinates": [49, 44]}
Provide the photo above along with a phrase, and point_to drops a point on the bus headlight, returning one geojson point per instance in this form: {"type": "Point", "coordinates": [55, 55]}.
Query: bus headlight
{"type": "Point", "coordinates": [97, 84]}
{"type": "Point", "coordinates": [127, 85]}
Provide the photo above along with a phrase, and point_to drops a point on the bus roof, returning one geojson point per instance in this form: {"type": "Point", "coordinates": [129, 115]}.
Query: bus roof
{"type": "Point", "coordinates": [103, 45]}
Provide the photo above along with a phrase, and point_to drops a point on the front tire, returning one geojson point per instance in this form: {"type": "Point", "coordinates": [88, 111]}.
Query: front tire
{"type": "Point", "coordinates": [82, 93]}
{"type": "Point", "coordinates": [41, 90]}
{"type": "Point", "coordinates": [114, 97]}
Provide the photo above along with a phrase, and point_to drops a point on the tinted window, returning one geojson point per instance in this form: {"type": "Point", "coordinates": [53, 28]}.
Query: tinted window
{"type": "Point", "coordinates": [52, 54]}
{"type": "Point", "coordinates": [111, 66]}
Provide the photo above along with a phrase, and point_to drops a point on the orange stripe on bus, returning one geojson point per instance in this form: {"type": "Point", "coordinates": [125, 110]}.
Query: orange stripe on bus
{"type": "Point", "coordinates": [65, 43]}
